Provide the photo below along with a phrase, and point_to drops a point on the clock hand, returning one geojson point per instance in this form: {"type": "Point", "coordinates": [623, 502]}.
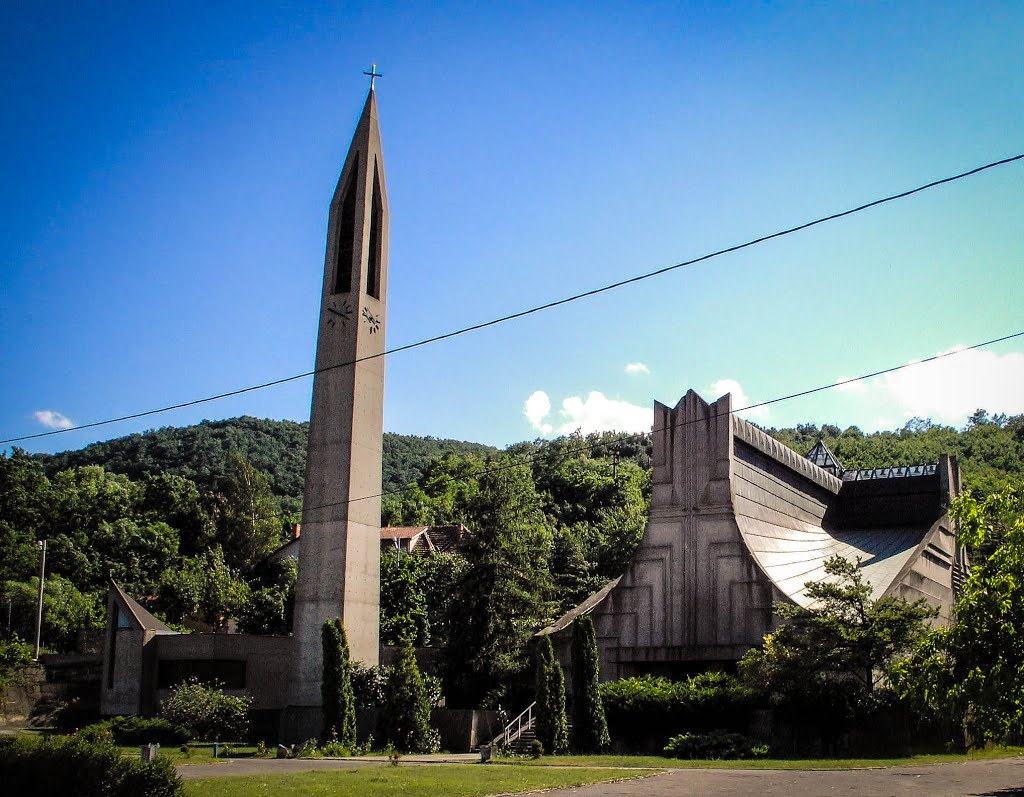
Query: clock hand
{"type": "Point", "coordinates": [332, 310]}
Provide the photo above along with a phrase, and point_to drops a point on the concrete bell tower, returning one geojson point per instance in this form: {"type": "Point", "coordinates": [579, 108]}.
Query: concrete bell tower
{"type": "Point", "coordinates": [339, 558]}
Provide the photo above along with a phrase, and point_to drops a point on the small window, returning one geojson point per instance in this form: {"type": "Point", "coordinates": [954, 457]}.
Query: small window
{"type": "Point", "coordinates": [376, 238]}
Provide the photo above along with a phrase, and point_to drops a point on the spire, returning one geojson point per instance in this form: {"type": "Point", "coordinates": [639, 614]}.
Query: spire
{"type": "Point", "coordinates": [823, 457]}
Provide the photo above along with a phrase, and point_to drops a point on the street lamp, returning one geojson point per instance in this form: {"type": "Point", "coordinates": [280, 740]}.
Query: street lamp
{"type": "Point", "coordinates": [39, 603]}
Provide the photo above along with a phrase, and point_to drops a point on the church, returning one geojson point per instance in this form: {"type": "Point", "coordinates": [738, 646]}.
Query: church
{"type": "Point", "coordinates": [737, 522]}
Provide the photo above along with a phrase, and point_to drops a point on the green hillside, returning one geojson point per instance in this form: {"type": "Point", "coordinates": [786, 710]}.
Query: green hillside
{"type": "Point", "coordinates": [278, 448]}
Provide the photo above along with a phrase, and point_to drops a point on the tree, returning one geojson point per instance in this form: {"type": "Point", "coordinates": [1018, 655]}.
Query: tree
{"type": "Point", "coordinates": [407, 706]}
{"type": "Point", "coordinates": [203, 588]}
{"type": "Point", "coordinates": [589, 727]}
{"type": "Point", "coordinates": [339, 703]}
{"type": "Point", "coordinates": [552, 728]}
{"type": "Point", "coordinates": [250, 526]}
{"type": "Point", "coordinates": [403, 606]}
{"type": "Point", "coordinates": [505, 594]}
{"type": "Point", "coordinates": [972, 672]}
{"type": "Point", "coordinates": [843, 636]}
{"type": "Point", "coordinates": [66, 611]}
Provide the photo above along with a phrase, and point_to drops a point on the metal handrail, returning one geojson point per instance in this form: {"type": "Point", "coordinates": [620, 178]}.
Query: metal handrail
{"type": "Point", "coordinates": [515, 728]}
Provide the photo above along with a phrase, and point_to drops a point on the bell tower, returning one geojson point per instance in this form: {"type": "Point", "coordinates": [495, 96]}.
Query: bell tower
{"type": "Point", "coordinates": [339, 558]}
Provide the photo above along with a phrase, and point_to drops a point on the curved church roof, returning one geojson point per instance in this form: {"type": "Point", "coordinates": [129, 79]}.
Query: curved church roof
{"type": "Point", "coordinates": [793, 525]}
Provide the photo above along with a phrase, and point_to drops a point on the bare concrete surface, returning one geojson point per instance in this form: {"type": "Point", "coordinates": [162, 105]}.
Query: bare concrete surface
{"type": "Point", "coordinates": [999, 778]}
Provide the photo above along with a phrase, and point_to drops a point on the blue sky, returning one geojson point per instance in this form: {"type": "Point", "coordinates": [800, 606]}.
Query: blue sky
{"type": "Point", "coordinates": [167, 169]}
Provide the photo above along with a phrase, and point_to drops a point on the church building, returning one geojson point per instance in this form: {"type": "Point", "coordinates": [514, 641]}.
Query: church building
{"type": "Point", "coordinates": [739, 522]}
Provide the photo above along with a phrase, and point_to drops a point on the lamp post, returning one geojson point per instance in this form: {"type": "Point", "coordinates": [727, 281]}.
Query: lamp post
{"type": "Point", "coordinates": [39, 603]}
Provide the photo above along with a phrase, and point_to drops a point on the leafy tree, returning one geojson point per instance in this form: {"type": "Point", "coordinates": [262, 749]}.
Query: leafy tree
{"type": "Point", "coordinates": [250, 526]}
{"type": "Point", "coordinates": [339, 703]}
{"type": "Point", "coordinates": [552, 727]}
{"type": "Point", "coordinates": [505, 593]}
{"type": "Point", "coordinates": [407, 707]}
{"type": "Point", "coordinates": [203, 588]}
{"type": "Point", "coordinates": [589, 728]}
{"type": "Point", "coordinates": [403, 606]}
{"type": "Point", "coordinates": [269, 604]}
{"type": "Point", "coordinates": [845, 636]}
{"type": "Point", "coordinates": [66, 611]}
{"type": "Point", "coordinates": [14, 655]}
{"type": "Point", "coordinates": [972, 672]}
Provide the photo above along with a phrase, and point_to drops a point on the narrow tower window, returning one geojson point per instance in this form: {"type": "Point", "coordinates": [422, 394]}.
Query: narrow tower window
{"type": "Point", "coordinates": [345, 240]}
{"type": "Point", "coordinates": [376, 219]}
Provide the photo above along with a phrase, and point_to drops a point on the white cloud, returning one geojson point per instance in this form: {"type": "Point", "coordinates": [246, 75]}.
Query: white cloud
{"type": "Point", "coordinates": [536, 408]}
{"type": "Point", "coordinates": [637, 368]}
{"type": "Point", "coordinates": [844, 385]}
{"type": "Point", "coordinates": [52, 419]}
{"type": "Point", "coordinates": [950, 390]}
{"type": "Point", "coordinates": [740, 398]}
{"type": "Point", "coordinates": [595, 413]}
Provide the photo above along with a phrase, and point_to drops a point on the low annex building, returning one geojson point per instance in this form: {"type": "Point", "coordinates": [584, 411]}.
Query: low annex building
{"type": "Point", "coordinates": [738, 522]}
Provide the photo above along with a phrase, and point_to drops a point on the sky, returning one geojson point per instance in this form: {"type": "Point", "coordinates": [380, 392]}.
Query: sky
{"type": "Point", "coordinates": [167, 170]}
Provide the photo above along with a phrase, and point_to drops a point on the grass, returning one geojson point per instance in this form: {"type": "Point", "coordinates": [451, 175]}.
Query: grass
{"type": "Point", "coordinates": [199, 752]}
{"type": "Point", "coordinates": [659, 762]}
{"type": "Point", "coordinates": [451, 780]}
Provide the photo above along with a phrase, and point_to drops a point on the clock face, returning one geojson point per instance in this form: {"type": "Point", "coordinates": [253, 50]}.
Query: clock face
{"type": "Point", "coordinates": [338, 311]}
{"type": "Point", "coordinates": [371, 320]}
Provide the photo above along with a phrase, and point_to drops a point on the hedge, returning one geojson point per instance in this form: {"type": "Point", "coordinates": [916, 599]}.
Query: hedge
{"type": "Point", "coordinates": [135, 730]}
{"type": "Point", "coordinates": [644, 712]}
{"type": "Point", "coordinates": [71, 765]}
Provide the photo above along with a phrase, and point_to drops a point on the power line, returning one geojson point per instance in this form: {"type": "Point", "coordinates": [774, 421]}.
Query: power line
{"type": "Point", "coordinates": [530, 311]}
{"type": "Point", "coordinates": [630, 435]}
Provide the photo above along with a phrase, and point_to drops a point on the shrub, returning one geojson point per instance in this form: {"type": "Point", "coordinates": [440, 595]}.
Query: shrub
{"type": "Point", "coordinates": [714, 745]}
{"type": "Point", "coordinates": [646, 711]}
{"type": "Point", "coordinates": [144, 730]}
{"type": "Point", "coordinates": [72, 765]}
{"type": "Point", "coordinates": [206, 712]}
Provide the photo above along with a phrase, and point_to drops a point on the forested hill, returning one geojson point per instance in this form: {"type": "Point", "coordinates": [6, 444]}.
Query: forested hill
{"type": "Point", "coordinates": [278, 448]}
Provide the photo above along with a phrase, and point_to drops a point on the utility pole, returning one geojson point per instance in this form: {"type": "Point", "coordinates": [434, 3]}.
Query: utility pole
{"type": "Point", "coordinates": [39, 603]}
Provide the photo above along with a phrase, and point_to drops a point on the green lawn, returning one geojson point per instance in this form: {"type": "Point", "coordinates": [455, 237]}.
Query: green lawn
{"type": "Point", "coordinates": [199, 752]}
{"type": "Point", "coordinates": [764, 763]}
{"type": "Point", "coordinates": [451, 780]}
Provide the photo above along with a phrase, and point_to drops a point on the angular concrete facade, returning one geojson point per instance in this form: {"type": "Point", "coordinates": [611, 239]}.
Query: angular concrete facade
{"type": "Point", "coordinates": [339, 568]}
{"type": "Point", "coordinates": [739, 521]}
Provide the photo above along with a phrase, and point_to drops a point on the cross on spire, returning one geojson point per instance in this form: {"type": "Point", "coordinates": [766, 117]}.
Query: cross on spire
{"type": "Point", "coordinates": [373, 74]}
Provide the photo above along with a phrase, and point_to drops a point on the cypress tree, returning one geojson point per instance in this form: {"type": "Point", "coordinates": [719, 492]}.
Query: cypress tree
{"type": "Point", "coordinates": [544, 658]}
{"type": "Point", "coordinates": [552, 729]}
{"type": "Point", "coordinates": [589, 728]}
{"type": "Point", "coordinates": [556, 693]}
{"type": "Point", "coordinates": [407, 706]}
{"type": "Point", "coordinates": [338, 699]}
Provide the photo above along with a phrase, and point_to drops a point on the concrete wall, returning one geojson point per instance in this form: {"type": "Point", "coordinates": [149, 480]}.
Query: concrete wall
{"type": "Point", "coordinates": [266, 663]}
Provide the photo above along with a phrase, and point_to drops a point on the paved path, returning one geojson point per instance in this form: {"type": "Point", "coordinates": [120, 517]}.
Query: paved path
{"type": "Point", "coordinates": [997, 777]}
{"type": "Point", "coordinates": [992, 778]}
